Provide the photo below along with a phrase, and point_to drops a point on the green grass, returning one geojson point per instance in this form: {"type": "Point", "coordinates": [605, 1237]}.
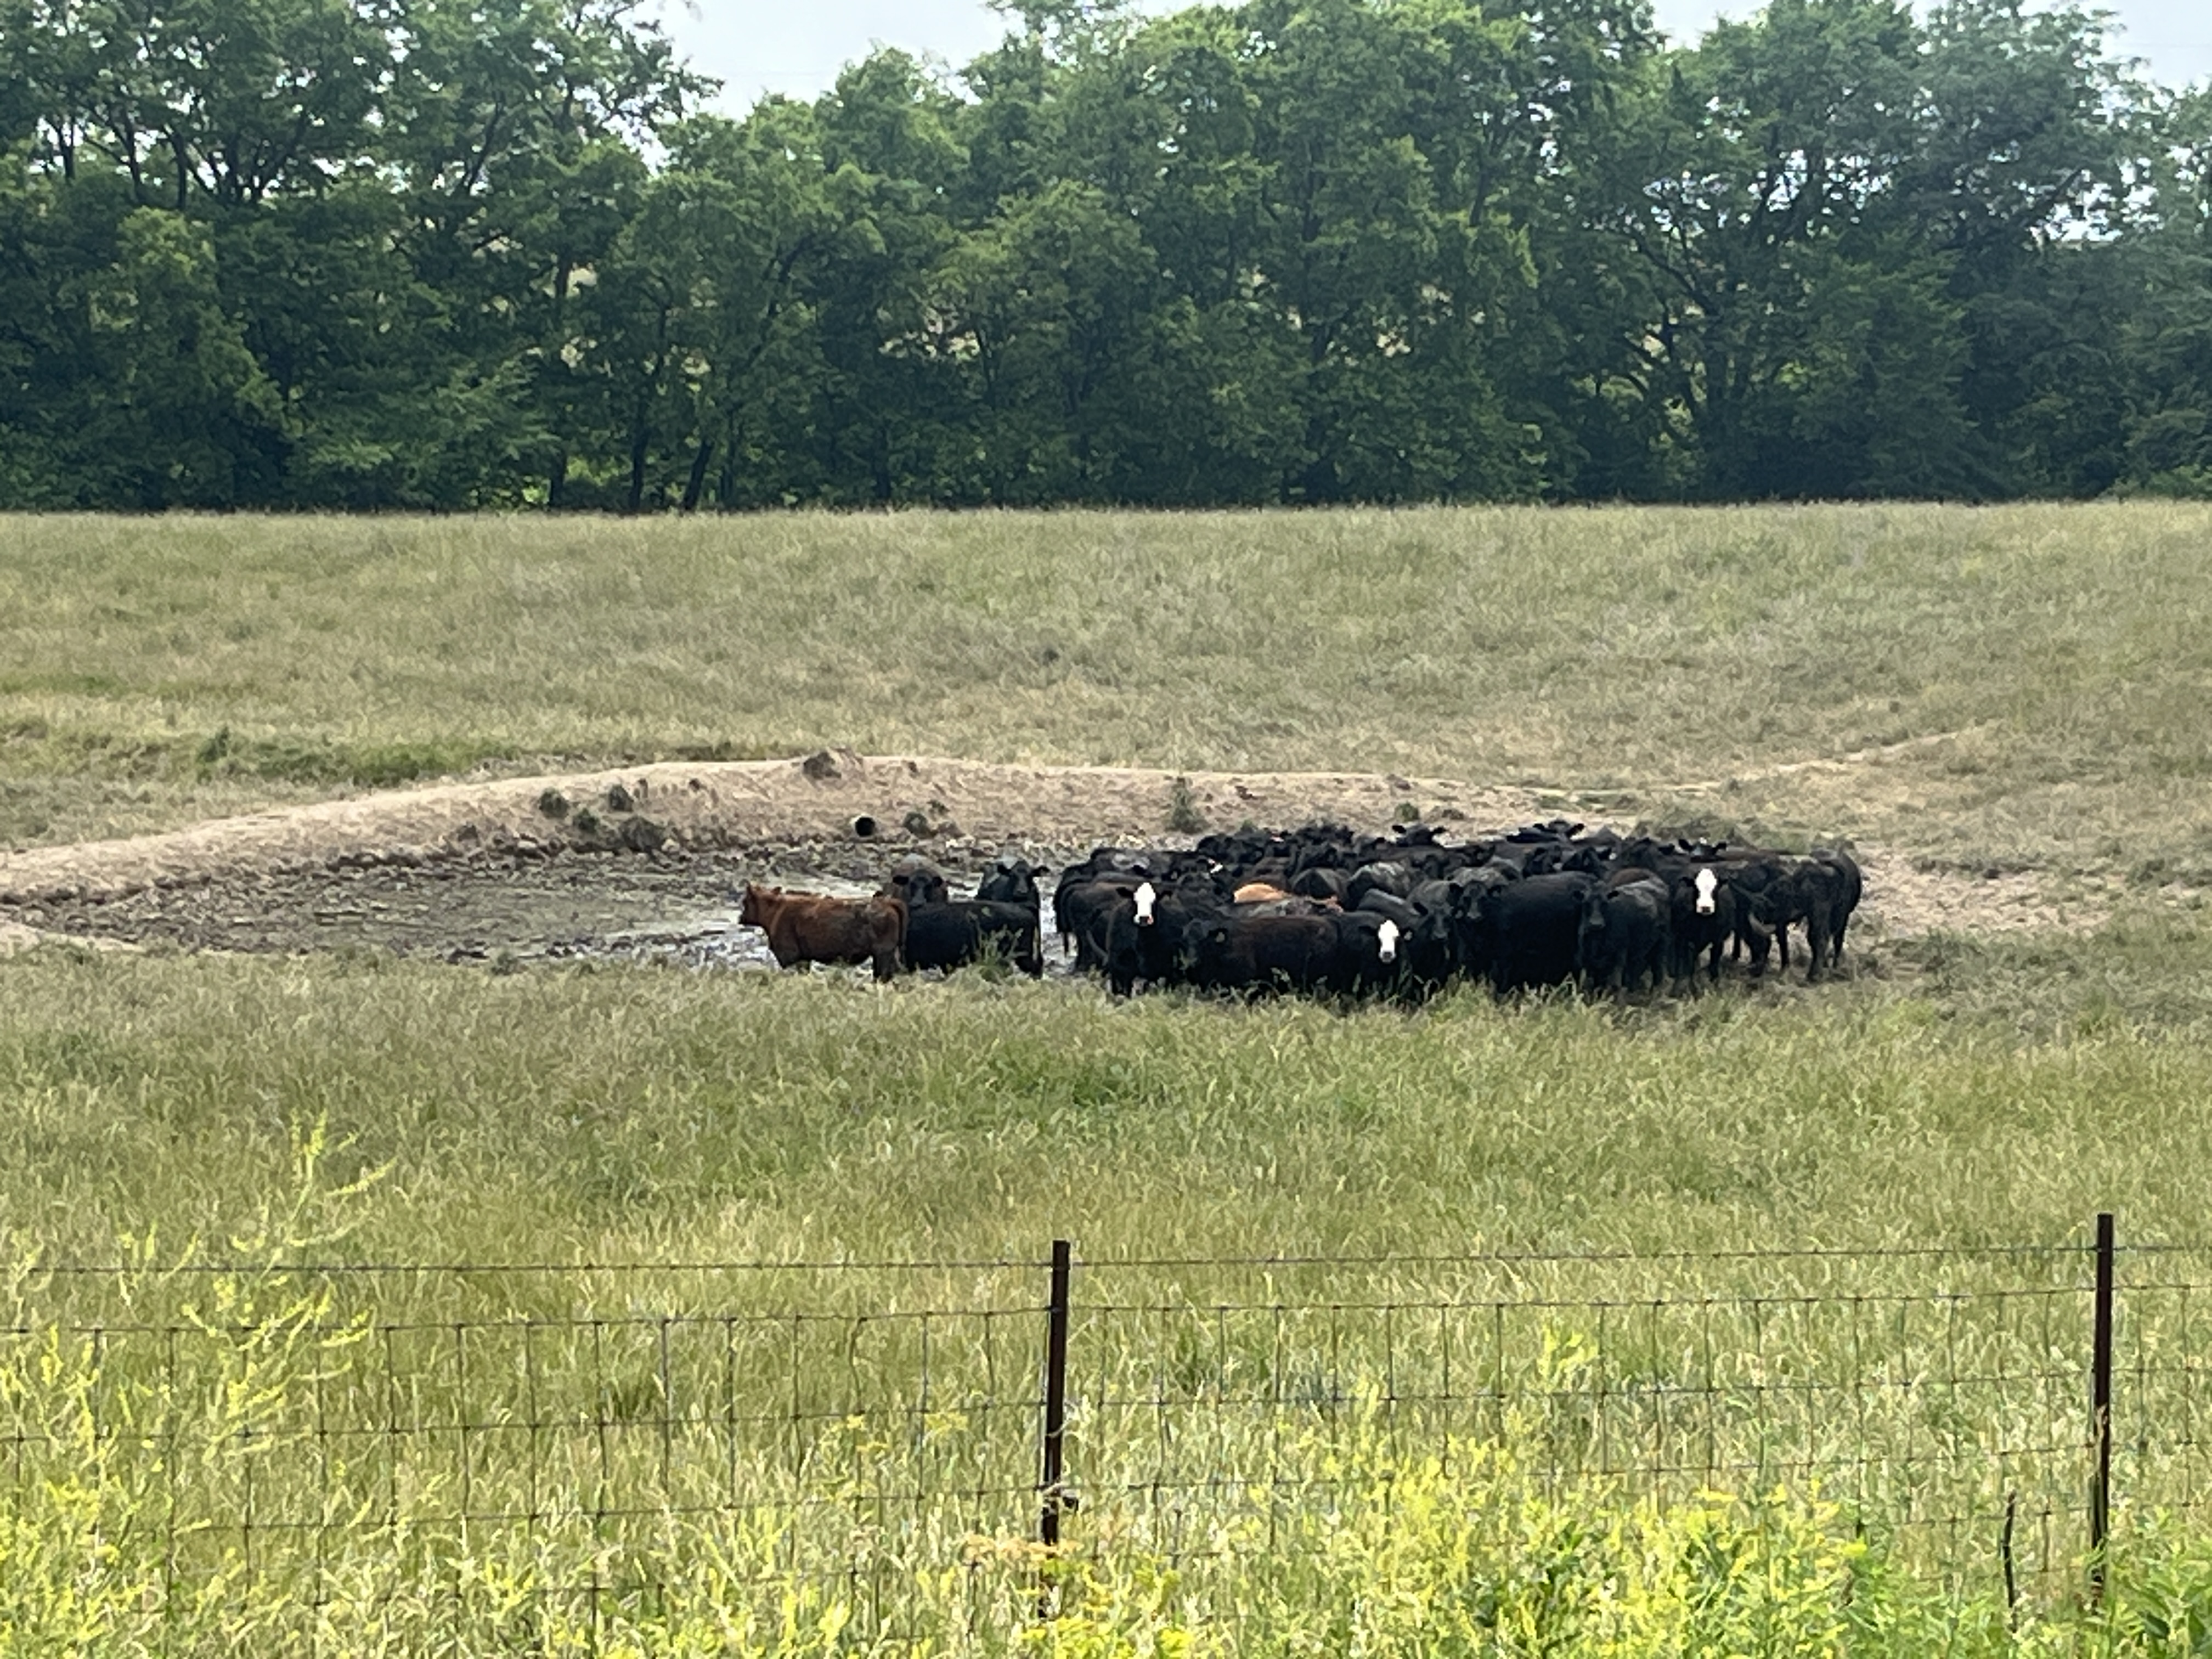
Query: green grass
{"type": "Point", "coordinates": [163, 1109]}
{"type": "Point", "coordinates": [625, 1112]}
{"type": "Point", "coordinates": [1462, 1547]}
{"type": "Point", "coordinates": [1666, 661]}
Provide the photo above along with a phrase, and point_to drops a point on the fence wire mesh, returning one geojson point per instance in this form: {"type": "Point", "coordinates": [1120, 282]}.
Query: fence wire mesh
{"type": "Point", "coordinates": [867, 1425]}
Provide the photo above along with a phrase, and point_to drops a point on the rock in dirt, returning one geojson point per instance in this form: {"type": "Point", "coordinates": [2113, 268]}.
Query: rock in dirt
{"type": "Point", "coordinates": [643, 836]}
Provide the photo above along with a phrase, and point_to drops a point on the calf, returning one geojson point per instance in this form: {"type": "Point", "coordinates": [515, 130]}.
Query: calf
{"type": "Point", "coordinates": [1821, 891]}
{"type": "Point", "coordinates": [1369, 955]}
{"type": "Point", "coordinates": [815, 927]}
{"type": "Point", "coordinates": [1423, 952]}
{"type": "Point", "coordinates": [1379, 876]}
{"type": "Point", "coordinates": [1755, 876]}
{"type": "Point", "coordinates": [1703, 905]}
{"type": "Point", "coordinates": [1850, 885]}
{"type": "Point", "coordinates": [1705, 918]}
{"type": "Point", "coordinates": [1320, 882]}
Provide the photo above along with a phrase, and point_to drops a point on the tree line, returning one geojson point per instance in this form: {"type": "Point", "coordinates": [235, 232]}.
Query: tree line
{"type": "Point", "coordinates": [454, 253]}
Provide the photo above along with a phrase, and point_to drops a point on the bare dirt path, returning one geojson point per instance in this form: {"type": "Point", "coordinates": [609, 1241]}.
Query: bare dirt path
{"type": "Point", "coordinates": [644, 857]}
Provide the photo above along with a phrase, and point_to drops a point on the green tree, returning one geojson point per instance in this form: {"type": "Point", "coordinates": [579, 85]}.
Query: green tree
{"type": "Point", "coordinates": [685, 323]}
{"type": "Point", "coordinates": [184, 418]}
{"type": "Point", "coordinates": [447, 253]}
{"type": "Point", "coordinates": [2167, 320]}
{"type": "Point", "coordinates": [883, 424]}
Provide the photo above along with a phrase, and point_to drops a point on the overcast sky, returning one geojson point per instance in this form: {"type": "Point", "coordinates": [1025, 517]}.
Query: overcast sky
{"type": "Point", "coordinates": [796, 46]}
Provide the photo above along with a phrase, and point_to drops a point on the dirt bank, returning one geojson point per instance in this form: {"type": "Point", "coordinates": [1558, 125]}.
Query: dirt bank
{"type": "Point", "coordinates": [912, 801]}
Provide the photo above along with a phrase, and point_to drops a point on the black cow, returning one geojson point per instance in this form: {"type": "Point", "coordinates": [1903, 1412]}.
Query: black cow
{"type": "Point", "coordinates": [1534, 925]}
{"type": "Point", "coordinates": [1140, 937]}
{"type": "Point", "coordinates": [1626, 934]}
{"type": "Point", "coordinates": [1462, 901]}
{"type": "Point", "coordinates": [917, 881]}
{"type": "Point", "coordinates": [1259, 953]}
{"type": "Point", "coordinates": [1821, 892]}
{"type": "Point", "coordinates": [1756, 877]}
{"type": "Point", "coordinates": [1848, 891]}
{"type": "Point", "coordinates": [1383, 876]}
{"type": "Point", "coordinates": [1707, 914]}
{"type": "Point", "coordinates": [1425, 951]}
{"type": "Point", "coordinates": [962, 930]}
{"type": "Point", "coordinates": [1012, 880]}
{"type": "Point", "coordinates": [1079, 908]}
{"type": "Point", "coordinates": [1704, 911]}
{"type": "Point", "coordinates": [1370, 954]}
{"type": "Point", "coordinates": [1320, 881]}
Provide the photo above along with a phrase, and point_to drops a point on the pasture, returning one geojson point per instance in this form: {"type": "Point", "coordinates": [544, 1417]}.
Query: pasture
{"type": "Point", "coordinates": [2024, 684]}
{"type": "Point", "coordinates": [2012, 690]}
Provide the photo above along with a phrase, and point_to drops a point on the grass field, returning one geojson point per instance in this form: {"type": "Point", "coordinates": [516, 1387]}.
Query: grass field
{"type": "Point", "coordinates": [2042, 670]}
{"type": "Point", "coordinates": [2046, 662]}
{"type": "Point", "coordinates": [622, 1113]}
{"type": "Point", "coordinates": [167, 1110]}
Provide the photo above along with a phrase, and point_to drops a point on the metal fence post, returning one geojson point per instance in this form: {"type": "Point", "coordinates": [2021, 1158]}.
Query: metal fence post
{"type": "Point", "coordinates": [1055, 1392]}
{"type": "Point", "coordinates": [2100, 1413]}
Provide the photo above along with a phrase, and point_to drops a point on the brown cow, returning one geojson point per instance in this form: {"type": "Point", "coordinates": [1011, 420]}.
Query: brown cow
{"type": "Point", "coordinates": [815, 927]}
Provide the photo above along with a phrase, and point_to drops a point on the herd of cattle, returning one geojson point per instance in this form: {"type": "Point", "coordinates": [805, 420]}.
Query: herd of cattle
{"type": "Point", "coordinates": [1325, 910]}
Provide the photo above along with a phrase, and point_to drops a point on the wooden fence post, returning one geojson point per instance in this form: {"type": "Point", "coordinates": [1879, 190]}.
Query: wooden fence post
{"type": "Point", "coordinates": [1055, 1392]}
{"type": "Point", "coordinates": [2100, 1413]}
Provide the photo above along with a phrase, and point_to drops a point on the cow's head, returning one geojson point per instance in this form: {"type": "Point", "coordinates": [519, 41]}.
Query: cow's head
{"type": "Point", "coordinates": [919, 885]}
{"type": "Point", "coordinates": [1386, 940]}
{"type": "Point", "coordinates": [1705, 883]}
{"type": "Point", "coordinates": [1011, 880]}
{"type": "Point", "coordinates": [1203, 940]}
{"type": "Point", "coordinates": [1146, 896]}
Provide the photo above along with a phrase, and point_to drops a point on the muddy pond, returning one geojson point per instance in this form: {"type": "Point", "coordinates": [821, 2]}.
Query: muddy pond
{"type": "Point", "coordinates": [678, 907]}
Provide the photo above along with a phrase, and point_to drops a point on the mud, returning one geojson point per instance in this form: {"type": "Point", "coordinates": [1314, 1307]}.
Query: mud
{"type": "Point", "coordinates": [672, 906]}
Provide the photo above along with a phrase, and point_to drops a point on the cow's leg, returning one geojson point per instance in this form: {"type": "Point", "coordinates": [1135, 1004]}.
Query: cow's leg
{"type": "Point", "coordinates": [1753, 933]}
{"type": "Point", "coordinates": [1816, 939]}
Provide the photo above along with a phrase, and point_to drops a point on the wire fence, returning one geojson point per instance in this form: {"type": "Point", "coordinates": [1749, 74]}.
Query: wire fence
{"type": "Point", "coordinates": [862, 1424]}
